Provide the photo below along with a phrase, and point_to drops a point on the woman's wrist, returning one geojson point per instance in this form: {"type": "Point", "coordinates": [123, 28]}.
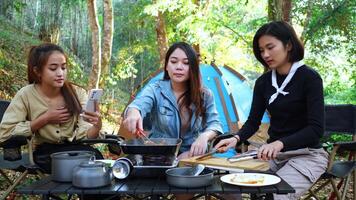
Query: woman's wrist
{"type": "Point", "coordinates": [208, 135]}
{"type": "Point", "coordinates": [93, 132]}
{"type": "Point", "coordinates": [237, 137]}
{"type": "Point", "coordinates": [203, 137]}
{"type": "Point", "coordinates": [98, 126]}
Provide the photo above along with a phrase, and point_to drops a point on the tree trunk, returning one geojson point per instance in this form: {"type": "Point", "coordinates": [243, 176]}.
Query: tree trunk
{"type": "Point", "coordinates": [2, 5]}
{"type": "Point", "coordinates": [286, 8]}
{"type": "Point", "coordinates": [74, 29]}
{"type": "Point", "coordinates": [161, 37]}
{"type": "Point", "coordinates": [279, 10]}
{"type": "Point", "coordinates": [197, 46]}
{"type": "Point", "coordinates": [108, 39]}
{"type": "Point", "coordinates": [7, 8]}
{"type": "Point", "coordinates": [303, 37]}
{"type": "Point", "coordinates": [96, 45]}
{"type": "Point", "coordinates": [49, 30]}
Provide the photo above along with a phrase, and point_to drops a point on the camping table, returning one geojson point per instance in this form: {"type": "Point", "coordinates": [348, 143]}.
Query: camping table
{"type": "Point", "coordinates": [147, 186]}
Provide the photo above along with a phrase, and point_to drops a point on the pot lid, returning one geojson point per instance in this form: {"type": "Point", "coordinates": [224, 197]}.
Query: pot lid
{"type": "Point", "coordinates": [91, 164]}
{"type": "Point", "coordinates": [72, 154]}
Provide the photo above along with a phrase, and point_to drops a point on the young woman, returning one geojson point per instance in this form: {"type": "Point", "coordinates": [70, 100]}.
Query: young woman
{"type": "Point", "coordinates": [49, 108]}
{"type": "Point", "coordinates": [179, 106]}
{"type": "Point", "coordinates": [293, 95]}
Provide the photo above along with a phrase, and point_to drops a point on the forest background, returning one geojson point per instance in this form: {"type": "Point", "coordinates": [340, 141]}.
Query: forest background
{"type": "Point", "coordinates": [116, 44]}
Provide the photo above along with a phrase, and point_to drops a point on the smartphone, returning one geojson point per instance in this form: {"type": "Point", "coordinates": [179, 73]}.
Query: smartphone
{"type": "Point", "coordinates": [94, 95]}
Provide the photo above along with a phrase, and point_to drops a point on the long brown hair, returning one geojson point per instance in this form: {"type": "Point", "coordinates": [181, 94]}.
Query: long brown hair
{"type": "Point", "coordinates": [37, 59]}
{"type": "Point", "coordinates": [194, 93]}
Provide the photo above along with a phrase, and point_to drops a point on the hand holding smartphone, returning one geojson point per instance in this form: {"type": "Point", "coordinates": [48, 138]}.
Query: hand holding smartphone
{"type": "Point", "coordinates": [94, 96]}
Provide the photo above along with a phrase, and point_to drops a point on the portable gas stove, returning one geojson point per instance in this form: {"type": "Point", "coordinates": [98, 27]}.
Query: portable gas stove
{"type": "Point", "coordinates": [151, 165]}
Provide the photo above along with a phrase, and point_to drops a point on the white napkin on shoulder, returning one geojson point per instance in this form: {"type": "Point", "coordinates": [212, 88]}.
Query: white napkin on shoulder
{"type": "Point", "coordinates": [279, 90]}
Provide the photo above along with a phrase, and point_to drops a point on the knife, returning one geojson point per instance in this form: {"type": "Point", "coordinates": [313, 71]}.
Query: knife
{"type": "Point", "coordinates": [231, 160]}
{"type": "Point", "coordinates": [206, 156]}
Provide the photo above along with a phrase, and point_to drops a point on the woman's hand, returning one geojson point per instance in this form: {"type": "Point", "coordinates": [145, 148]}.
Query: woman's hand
{"type": "Point", "coordinates": [57, 115]}
{"type": "Point", "coordinates": [199, 146]}
{"type": "Point", "coordinates": [183, 155]}
{"type": "Point", "coordinates": [133, 120]}
{"type": "Point", "coordinates": [228, 143]}
{"type": "Point", "coordinates": [270, 151]}
{"type": "Point", "coordinates": [95, 119]}
{"type": "Point", "coordinates": [51, 116]}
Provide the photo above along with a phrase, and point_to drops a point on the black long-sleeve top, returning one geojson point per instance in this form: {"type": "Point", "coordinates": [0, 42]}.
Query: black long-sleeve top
{"type": "Point", "coordinates": [296, 119]}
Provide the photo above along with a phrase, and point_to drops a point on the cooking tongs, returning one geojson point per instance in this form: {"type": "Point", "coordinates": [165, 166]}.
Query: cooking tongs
{"type": "Point", "coordinates": [141, 134]}
{"type": "Point", "coordinates": [248, 155]}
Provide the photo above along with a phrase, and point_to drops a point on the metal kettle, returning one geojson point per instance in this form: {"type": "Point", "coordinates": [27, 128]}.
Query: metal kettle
{"type": "Point", "coordinates": [91, 174]}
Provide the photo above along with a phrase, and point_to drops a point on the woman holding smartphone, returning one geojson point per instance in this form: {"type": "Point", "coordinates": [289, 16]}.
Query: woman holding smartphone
{"type": "Point", "coordinates": [292, 93]}
{"type": "Point", "coordinates": [49, 108]}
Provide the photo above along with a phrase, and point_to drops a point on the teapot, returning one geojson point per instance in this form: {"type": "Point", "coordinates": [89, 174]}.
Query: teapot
{"type": "Point", "coordinates": [91, 174]}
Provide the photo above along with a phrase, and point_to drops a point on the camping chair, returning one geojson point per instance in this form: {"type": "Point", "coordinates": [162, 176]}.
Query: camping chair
{"type": "Point", "coordinates": [13, 159]}
{"type": "Point", "coordinates": [340, 119]}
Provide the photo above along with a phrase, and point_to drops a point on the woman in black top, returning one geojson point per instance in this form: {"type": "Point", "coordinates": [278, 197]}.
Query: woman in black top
{"type": "Point", "coordinates": [293, 95]}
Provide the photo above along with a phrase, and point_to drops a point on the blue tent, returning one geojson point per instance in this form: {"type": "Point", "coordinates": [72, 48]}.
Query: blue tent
{"type": "Point", "coordinates": [233, 96]}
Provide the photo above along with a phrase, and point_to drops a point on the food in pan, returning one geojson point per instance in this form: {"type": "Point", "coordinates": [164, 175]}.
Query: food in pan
{"type": "Point", "coordinates": [150, 142]}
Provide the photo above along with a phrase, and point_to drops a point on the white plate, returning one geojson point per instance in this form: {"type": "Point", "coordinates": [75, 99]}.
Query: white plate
{"type": "Point", "coordinates": [250, 179]}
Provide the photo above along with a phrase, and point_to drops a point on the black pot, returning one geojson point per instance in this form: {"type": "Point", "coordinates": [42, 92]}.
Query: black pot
{"type": "Point", "coordinates": [64, 162]}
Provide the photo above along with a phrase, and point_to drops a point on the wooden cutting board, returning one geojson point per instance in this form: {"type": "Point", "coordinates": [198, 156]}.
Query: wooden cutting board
{"type": "Point", "coordinates": [222, 162]}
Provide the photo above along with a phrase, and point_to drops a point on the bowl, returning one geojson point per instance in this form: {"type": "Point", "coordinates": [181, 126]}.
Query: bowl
{"type": "Point", "coordinates": [178, 177]}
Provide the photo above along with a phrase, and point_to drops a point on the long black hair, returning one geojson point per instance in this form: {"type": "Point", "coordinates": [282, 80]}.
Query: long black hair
{"type": "Point", "coordinates": [283, 32]}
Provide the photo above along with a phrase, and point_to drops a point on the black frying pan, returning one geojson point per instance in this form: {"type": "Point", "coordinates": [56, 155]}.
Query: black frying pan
{"type": "Point", "coordinates": [161, 146]}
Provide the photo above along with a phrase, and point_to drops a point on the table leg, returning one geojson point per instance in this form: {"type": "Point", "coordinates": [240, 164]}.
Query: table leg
{"type": "Point", "coordinates": [155, 197]}
{"type": "Point", "coordinates": [216, 196]}
{"type": "Point", "coordinates": [268, 196]}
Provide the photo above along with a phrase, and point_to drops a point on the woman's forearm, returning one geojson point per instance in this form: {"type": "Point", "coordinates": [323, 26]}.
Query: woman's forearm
{"type": "Point", "coordinates": [38, 123]}
{"type": "Point", "coordinates": [209, 135]}
{"type": "Point", "coordinates": [93, 132]}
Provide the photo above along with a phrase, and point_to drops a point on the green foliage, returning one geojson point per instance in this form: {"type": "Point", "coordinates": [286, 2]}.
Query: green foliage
{"type": "Point", "coordinates": [335, 137]}
{"type": "Point", "coordinates": [224, 29]}
{"type": "Point", "coordinates": [14, 46]}
{"type": "Point", "coordinates": [135, 53]}
{"type": "Point", "coordinates": [13, 50]}
{"type": "Point", "coordinates": [222, 38]}
{"type": "Point", "coordinates": [328, 34]}
{"type": "Point", "coordinates": [76, 74]}
{"type": "Point", "coordinates": [19, 5]}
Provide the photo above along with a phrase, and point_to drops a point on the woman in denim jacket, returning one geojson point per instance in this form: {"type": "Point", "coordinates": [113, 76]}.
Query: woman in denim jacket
{"type": "Point", "coordinates": [179, 106]}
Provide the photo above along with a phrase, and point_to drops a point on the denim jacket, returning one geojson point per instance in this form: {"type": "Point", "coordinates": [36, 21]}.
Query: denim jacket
{"type": "Point", "coordinates": [158, 102]}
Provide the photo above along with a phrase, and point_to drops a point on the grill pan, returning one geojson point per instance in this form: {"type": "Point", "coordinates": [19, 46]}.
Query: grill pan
{"type": "Point", "coordinates": [162, 146]}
